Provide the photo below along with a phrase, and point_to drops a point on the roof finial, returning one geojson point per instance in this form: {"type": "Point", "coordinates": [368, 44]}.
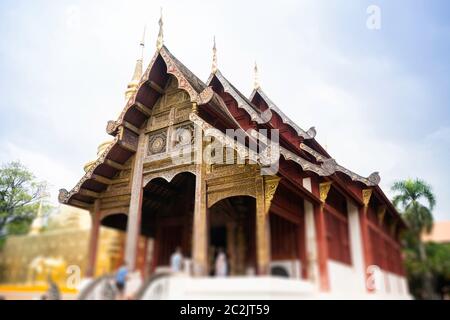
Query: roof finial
{"type": "Point", "coordinates": [214, 61]}
{"type": "Point", "coordinates": [160, 40]}
{"type": "Point", "coordinates": [142, 44]}
{"type": "Point", "coordinates": [256, 80]}
{"type": "Point", "coordinates": [134, 83]}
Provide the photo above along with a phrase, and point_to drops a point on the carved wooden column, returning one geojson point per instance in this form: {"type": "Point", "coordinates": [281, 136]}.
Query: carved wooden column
{"type": "Point", "coordinates": [134, 215]}
{"type": "Point", "coordinates": [321, 232]}
{"type": "Point", "coordinates": [200, 227]}
{"type": "Point", "coordinates": [366, 195]}
{"type": "Point", "coordinates": [93, 240]}
{"type": "Point", "coordinates": [266, 187]}
{"type": "Point", "coordinates": [310, 236]}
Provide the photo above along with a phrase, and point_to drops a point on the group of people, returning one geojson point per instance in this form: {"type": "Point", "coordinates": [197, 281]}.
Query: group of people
{"type": "Point", "coordinates": [177, 262]}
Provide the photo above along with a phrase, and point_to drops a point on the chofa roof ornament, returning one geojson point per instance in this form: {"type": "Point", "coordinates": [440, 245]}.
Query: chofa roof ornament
{"type": "Point", "coordinates": [160, 39]}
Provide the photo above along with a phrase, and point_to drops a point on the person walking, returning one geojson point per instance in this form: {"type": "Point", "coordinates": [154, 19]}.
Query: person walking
{"type": "Point", "coordinates": [121, 279]}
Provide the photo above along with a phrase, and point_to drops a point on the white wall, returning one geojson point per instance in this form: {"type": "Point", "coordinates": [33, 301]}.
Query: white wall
{"type": "Point", "coordinates": [392, 286]}
{"type": "Point", "coordinates": [346, 283]}
{"type": "Point", "coordinates": [345, 279]}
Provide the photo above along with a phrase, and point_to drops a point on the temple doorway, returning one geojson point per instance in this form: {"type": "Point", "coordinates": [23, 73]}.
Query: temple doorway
{"type": "Point", "coordinates": [232, 230]}
{"type": "Point", "coordinates": [218, 236]}
{"type": "Point", "coordinates": [167, 219]}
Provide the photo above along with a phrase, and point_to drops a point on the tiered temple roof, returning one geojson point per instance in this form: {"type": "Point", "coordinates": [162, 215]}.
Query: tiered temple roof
{"type": "Point", "coordinates": [217, 99]}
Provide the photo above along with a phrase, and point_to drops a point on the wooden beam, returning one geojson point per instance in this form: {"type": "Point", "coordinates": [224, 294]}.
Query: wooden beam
{"type": "Point", "coordinates": [118, 181]}
{"type": "Point", "coordinates": [127, 146]}
{"type": "Point", "coordinates": [297, 188]}
{"type": "Point", "coordinates": [89, 193]}
{"type": "Point", "coordinates": [143, 109]}
{"type": "Point", "coordinates": [156, 87]}
{"type": "Point", "coordinates": [80, 204]}
{"type": "Point", "coordinates": [131, 127]}
{"type": "Point", "coordinates": [101, 179]}
{"type": "Point", "coordinates": [285, 213]}
{"type": "Point", "coordinates": [344, 190]}
{"type": "Point", "coordinates": [115, 165]}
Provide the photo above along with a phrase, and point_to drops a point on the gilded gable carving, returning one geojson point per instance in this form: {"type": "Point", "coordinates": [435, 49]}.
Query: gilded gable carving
{"type": "Point", "coordinates": [173, 107]}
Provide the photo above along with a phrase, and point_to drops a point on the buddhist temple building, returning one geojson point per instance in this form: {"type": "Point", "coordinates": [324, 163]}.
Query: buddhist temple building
{"type": "Point", "coordinates": [201, 166]}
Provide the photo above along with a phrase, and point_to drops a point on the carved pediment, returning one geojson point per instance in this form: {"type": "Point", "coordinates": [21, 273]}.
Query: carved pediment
{"type": "Point", "coordinates": [171, 108]}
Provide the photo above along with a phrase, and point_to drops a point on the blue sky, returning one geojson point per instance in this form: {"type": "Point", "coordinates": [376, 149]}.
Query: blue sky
{"type": "Point", "coordinates": [378, 98]}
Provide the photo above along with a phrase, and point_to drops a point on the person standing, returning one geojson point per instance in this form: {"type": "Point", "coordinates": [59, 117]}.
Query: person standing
{"type": "Point", "coordinates": [221, 264]}
{"type": "Point", "coordinates": [176, 260]}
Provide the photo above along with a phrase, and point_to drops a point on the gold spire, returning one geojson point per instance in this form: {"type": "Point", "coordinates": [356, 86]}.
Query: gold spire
{"type": "Point", "coordinates": [142, 44]}
{"type": "Point", "coordinates": [134, 83]}
{"type": "Point", "coordinates": [256, 79]}
{"type": "Point", "coordinates": [160, 40]}
{"type": "Point", "coordinates": [214, 60]}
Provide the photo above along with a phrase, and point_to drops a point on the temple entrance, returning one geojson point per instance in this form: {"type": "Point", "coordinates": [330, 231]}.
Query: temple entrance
{"type": "Point", "coordinates": [218, 236]}
{"type": "Point", "coordinates": [167, 219]}
{"type": "Point", "coordinates": [232, 230]}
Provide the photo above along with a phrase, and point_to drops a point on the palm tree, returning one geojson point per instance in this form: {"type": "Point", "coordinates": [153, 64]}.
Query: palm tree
{"type": "Point", "coordinates": [411, 198]}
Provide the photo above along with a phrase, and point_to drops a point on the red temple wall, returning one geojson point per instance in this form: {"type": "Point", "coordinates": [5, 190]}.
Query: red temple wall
{"type": "Point", "coordinates": [337, 229]}
{"type": "Point", "coordinates": [386, 249]}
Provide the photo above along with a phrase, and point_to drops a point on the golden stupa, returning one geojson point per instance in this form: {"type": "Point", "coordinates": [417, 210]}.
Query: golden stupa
{"type": "Point", "coordinates": [57, 248]}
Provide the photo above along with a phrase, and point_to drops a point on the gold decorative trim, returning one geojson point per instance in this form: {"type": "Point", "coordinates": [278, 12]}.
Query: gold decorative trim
{"type": "Point", "coordinates": [324, 188]}
{"type": "Point", "coordinates": [270, 188]}
{"type": "Point", "coordinates": [168, 174]}
{"type": "Point", "coordinates": [366, 195]}
{"type": "Point", "coordinates": [215, 197]}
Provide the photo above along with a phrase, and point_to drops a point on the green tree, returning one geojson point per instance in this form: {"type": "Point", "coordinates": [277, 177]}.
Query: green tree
{"type": "Point", "coordinates": [20, 194]}
{"type": "Point", "coordinates": [416, 200]}
{"type": "Point", "coordinates": [439, 262]}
